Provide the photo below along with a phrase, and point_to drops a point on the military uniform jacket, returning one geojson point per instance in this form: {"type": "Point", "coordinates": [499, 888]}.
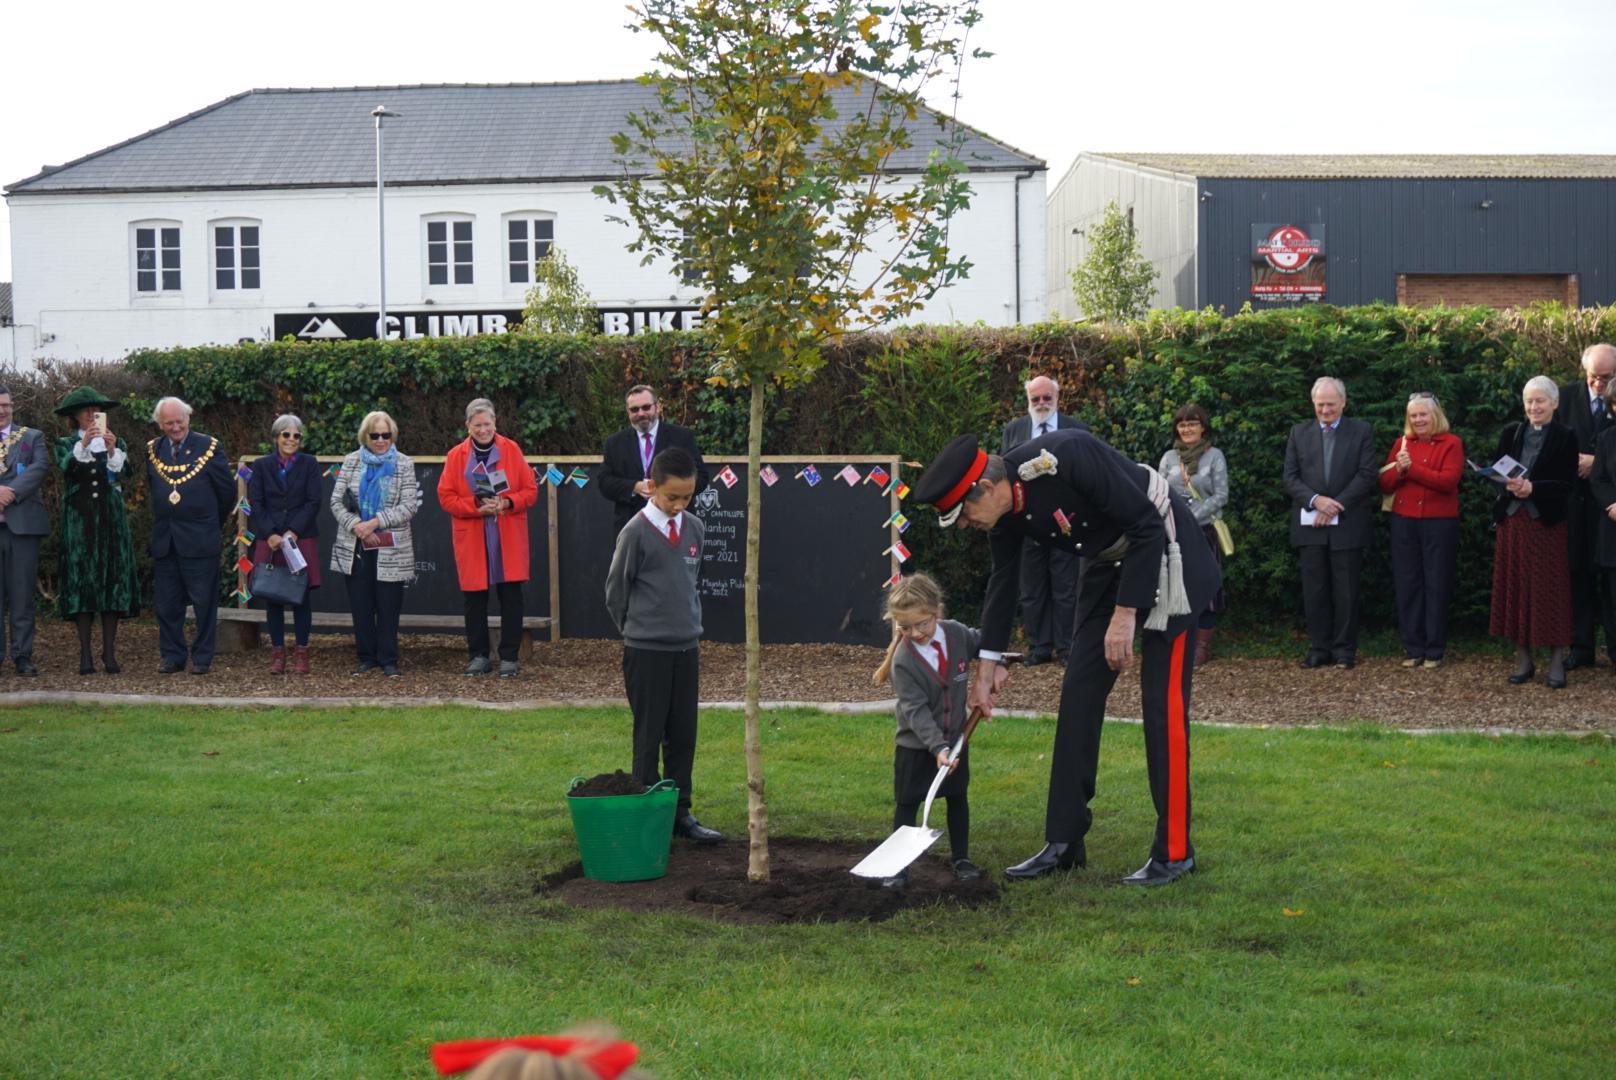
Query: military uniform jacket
{"type": "Point", "coordinates": [190, 527]}
{"type": "Point", "coordinates": [931, 703]}
{"type": "Point", "coordinates": [1103, 498]}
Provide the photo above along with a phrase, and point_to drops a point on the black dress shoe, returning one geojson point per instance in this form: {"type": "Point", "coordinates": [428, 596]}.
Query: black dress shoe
{"type": "Point", "coordinates": [1053, 857]}
{"type": "Point", "coordinates": [1315, 660]}
{"type": "Point", "coordinates": [199, 669]}
{"type": "Point", "coordinates": [1036, 657]}
{"type": "Point", "coordinates": [1157, 872]}
{"type": "Point", "coordinates": [26, 667]}
{"type": "Point", "coordinates": [1345, 663]}
{"type": "Point", "coordinates": [691, 829]}
{"type": "Point", "coordinates": [110, 665]}
{"type": "Point", "coordinates": [966, 870]}
{"type": "Point", "coordinates": [170, 667]}
{"type": "Point", "coordinates": [86, 668]}
{"type": "Point", "coordinates": [1520, 677]}
{"type": "Point", "coordinates": [366, 668]}
{"type": "Point", "coordinates": [1556, 684]}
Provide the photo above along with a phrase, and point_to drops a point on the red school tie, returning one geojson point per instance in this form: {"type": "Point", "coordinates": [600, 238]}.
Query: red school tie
{"type": "Point", "coordinates": [673, 531]}
{"type": "Point", "coordinates": [942, 657]}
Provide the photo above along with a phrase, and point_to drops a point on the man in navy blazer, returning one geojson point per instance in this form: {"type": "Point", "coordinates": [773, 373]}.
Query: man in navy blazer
{"type": "Point", "coordinates": [1584, 410]}
{"type": "Point", "coordinates": [628, 454]}
{"type": "Point", "coordinates": [1330, 475]}
{"type": "Point", "coordinates": [193, 491]}
{"type": "Point", "coordinates": [1048, 575]}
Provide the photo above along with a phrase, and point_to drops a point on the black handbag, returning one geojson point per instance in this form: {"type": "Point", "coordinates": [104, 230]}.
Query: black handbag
{"type": "Point", "coordinates": [278, 585]}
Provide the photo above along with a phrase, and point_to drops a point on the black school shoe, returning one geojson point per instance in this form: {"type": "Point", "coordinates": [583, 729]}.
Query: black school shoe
{"type": "Point", "coordinates": [966, 870]}
{"type": "Point", "coordinates": [688, 827]}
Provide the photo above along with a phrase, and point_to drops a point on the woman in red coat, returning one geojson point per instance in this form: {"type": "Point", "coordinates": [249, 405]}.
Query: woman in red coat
{"type": "Point", "coordinates": [1422, 474]}
{"type": "Point", "coordinates": [487, 488]}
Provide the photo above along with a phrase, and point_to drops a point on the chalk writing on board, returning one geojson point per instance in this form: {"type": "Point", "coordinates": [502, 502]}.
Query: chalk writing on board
{"type": "Point", "coordinates": [722, 549]}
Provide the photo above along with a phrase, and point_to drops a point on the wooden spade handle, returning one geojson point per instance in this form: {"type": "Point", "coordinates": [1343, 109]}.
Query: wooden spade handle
{"type": "Point", "coordinates": [970, 725]}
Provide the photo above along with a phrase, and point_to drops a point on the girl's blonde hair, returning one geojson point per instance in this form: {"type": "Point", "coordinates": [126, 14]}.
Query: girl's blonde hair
{"type": "Point", "coordinates": [916, 593]}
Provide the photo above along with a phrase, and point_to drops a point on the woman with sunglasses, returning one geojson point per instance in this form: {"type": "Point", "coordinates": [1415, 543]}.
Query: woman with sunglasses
{"type": "Point", "coordinates": [374, 499]}
{"type": "Point", "coordinates": [284, 491]}
{"type": "Point", "coordinates": [1421, 476]}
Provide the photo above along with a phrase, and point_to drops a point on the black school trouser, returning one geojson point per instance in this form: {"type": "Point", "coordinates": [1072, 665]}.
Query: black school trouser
{"type": "Point", "coordinates": [1424, 554]}
{"type": "Point", "coordinates": [662, 692]}
{"type": "Point", "coordinates": [1330, 599]}
{"type": "Point", "coordinates": [1166, 669]}
{"type": "Point", "coordinates": [510, 620]}
{"type": "Point", "coordinates": [1048, 597]}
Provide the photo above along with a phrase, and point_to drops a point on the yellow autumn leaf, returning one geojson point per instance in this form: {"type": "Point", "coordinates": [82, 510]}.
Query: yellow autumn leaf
{"type": "Point", "coordinates": [867, 25]}
{"type": "Point", "coordinates": [1134, 982]}
{"type": "Point", "coordinates": [1388, 764]}
{"type": "Point", "coordinates": [1289, 914]}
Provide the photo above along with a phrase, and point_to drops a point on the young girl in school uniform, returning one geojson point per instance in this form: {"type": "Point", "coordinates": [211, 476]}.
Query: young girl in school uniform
{"type": "Point", "coordinates": [928, 664]}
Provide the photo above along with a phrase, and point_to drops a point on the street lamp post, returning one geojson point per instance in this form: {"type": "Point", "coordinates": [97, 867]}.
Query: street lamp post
{"type": "Point", "coordinates": [381, 228]}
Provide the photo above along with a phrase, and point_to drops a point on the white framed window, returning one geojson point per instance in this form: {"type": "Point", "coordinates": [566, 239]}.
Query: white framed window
{"type": "Point", "coordinates": [237, 264]}
{"type": "Point", "coordinates": [156, 247]}
{"type": "Point", "coordinates": [448, 250]}
{"type": "Point", "coordinates": [529, 236]}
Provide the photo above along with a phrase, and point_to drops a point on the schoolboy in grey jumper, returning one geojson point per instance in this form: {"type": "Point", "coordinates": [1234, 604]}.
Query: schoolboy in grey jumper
{"type": "Point", "coordinates": [651, 596]}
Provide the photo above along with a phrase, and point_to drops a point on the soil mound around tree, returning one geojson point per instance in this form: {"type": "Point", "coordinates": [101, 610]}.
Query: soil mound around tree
{"type": "Point", "coordinates": [608, 783]}
{"type": "Point", "coordinates": [809, 882]}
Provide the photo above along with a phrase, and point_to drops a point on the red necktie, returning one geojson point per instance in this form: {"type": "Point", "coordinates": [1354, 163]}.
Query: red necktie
{"type": "Point", "coordinates": [673, 531]}
{"type": "Point", "coordinates": [645, 453]}
{"type": "Point", "coordinates": [942, 658]}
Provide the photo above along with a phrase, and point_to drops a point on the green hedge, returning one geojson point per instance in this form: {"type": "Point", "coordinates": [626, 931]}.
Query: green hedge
{"type": "Point", "coordinates": [909, 391]}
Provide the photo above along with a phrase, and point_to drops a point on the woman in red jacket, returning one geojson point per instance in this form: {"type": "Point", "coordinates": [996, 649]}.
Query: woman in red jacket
{"type": "Point", "coordinates": [1421, 475]}
{"type": "Point", "coordinates": [487, 488]}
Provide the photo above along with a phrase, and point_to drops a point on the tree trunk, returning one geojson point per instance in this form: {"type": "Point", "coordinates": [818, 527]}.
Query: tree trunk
{"type": "Point", "coordinates": [757, 807]}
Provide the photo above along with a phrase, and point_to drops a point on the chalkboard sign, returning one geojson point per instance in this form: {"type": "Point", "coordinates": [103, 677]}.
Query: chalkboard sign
{"type": "Point", "coordinates": [822, 557]}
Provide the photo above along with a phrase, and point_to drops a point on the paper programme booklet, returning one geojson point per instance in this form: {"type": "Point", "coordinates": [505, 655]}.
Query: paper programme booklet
{"type": "Point", "coordinates": [295, 562]}
{"type": "Point", "coordinates": [1504, 469]}
{"type": "Point", "coordinates": [1311, 516]}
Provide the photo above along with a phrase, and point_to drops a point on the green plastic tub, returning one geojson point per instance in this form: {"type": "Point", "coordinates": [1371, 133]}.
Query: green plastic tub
{"type": "Point", "coordinates": [624, 837]}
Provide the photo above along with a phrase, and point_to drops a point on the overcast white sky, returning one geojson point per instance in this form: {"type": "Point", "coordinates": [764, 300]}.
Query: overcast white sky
{"type": "Point", "coordinates": [1428, 76]}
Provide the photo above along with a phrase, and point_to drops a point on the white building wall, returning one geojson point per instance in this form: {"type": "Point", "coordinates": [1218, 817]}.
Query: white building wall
{"type": "Point", "coordinates": [75, 296]}
{"type": "Point", "coordinates": [1164, 206]}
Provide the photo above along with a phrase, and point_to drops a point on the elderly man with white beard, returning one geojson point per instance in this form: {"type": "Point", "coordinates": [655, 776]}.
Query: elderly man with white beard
{"type": "Point", "coordinates": [1049, 575]}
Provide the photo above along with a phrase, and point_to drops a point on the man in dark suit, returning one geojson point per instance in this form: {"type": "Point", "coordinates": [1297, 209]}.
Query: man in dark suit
{"type": "Point", "coordinates": [1069, 490]}
{"type": "Point", "coordinates": [623, 475]}
{"type": "Point", "coordinates": [1048, 575]}
{"type": "Point", "coordinates": [23, 520]}
{"type": "Point", "coordinates": [1330, 475]}
{"type": "Point", "coordinates": [1583, 409]}
{"type": "Point", "coordinates": [193, 491]}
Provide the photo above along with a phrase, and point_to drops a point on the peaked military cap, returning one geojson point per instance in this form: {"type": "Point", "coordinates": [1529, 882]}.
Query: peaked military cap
{"type": "Point", "coordinates": [949, 476]}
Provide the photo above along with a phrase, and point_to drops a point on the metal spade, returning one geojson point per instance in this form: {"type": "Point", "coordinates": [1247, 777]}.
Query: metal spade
{"type": "Point", "coordinates": [909, 842]}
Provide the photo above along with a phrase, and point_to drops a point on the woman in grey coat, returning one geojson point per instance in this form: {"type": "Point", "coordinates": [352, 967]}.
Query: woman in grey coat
{"type": "Point", "coordinates": [1198, 473]}
{"type": "Point", "coordinates": [374, 499]}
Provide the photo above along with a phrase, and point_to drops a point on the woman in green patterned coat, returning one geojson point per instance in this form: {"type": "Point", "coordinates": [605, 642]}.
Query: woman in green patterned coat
{"type": "Point", "coordinates": [96, 559]}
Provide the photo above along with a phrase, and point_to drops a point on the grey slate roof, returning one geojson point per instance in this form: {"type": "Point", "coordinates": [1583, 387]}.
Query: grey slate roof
{"type": "Point", "coordinates": [444, 135]}
{"type": "Point", "coordinates": [1377, 166]}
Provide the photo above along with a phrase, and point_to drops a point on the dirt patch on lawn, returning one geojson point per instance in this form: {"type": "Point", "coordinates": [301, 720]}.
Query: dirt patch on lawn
{"type": "Point", "coordinates": [809, 882]}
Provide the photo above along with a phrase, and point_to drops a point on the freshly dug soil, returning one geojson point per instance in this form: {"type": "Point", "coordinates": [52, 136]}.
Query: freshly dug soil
{"type": "Point", "coordinates": [809, 882]}
{"type": "Point", "coordinates": [608, 783]}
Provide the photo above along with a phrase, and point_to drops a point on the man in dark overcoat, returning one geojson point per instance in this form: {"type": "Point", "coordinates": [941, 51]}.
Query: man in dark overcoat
{"type": "Point", "coordinates": [624, 474]}
{"type": "Point", "coordinates": [23, 521]}
{"type": "Point", "coordinates": [1048, 575]}
{"type": "Point", "coordinates": [1148, 572]}
{"type": "Point", "coordinates": [1330, 476]}
{"type": "Point", "coordinates": [193, 491]}
{"type": "Point", "coordinates": [1584, 409]}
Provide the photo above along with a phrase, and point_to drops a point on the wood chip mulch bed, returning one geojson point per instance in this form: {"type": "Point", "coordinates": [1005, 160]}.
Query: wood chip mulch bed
{"type": "Point", "coordinates": [1467, 692]}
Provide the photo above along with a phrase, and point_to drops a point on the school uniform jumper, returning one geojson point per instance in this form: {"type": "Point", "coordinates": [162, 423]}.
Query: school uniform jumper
{"type": "Point", "coordinates": [931, 713]}
{"type": "Point", "coordinates": [1112, 523]}
{"type": "Point", "coordinates": [652, 599]}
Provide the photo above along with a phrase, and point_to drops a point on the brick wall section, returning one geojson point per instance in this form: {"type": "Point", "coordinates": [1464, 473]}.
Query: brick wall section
{"type": "Point", "coordinates": [1492, 290]}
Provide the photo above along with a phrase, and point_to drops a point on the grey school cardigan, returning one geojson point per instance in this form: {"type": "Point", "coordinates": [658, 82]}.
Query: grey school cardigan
{"type": "Point", "coordinates": [931, 704]}
{"type": "Point", "coordinates": [651, 586]}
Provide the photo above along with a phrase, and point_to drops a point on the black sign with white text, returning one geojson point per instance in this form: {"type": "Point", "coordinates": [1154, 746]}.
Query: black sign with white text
{"type": "Point", "coordinates": [434, 322]}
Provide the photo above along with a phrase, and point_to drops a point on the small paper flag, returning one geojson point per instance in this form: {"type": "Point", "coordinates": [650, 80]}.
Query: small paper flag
{"type": "Point", "coordinates": [727, 477]}
{"type": "Point", "coordinates": [335, 470]}
{"type": "Point", "coordinates": [242, 594]}
{"type": "Point", "coordinates": [893, 580]}
{"type": "Point", "coordinates": [554, 475]}
{"type": "Point", "coordinates": [580, 476]}
{"type": "Point", "coordinates": [245, 473]}
{"type": "Point", "coordinates": [878, 476]}
{"type": "Point", "coordinates": [899, 550]}
{"type": "Point", "coordinates": [768, 476]}
{"type": "Point", "coordinates": [900, 522]}
{"type": "Point", "coordinates": [244, 564]}
{"type": "Point", "coordinates": [901, 490]}
{"type": "Point", "coordinates": [811, 475]}
{"type": "Point", "coordinates": [243, 539]}
{"type": "Point", "coordinates": [850, 475]}
{"type": "Point", "coordinates": [244, 506]}
{"type": "Point", "coordinates": [248, 533]}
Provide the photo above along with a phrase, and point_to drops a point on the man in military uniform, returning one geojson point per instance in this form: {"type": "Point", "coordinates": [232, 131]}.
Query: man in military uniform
{"type": "Point", "coordinates": [23, 520]}
{"type": "Point", "coordinates": [1148, 564]}
{"type": "Point", "coordinates": [193, 491]}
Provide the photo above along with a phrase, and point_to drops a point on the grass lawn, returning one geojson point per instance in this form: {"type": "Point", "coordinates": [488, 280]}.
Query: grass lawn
{"type": "Point", "coordinates": [258, 893]}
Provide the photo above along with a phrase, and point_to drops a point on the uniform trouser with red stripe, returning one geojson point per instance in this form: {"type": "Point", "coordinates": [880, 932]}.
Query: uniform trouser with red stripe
{"type": "Point", "coordinates": [1166, 668]}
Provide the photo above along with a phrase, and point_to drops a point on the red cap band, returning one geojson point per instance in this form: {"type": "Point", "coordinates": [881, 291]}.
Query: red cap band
{"type": "Point", "coordinates": [957, 492]}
